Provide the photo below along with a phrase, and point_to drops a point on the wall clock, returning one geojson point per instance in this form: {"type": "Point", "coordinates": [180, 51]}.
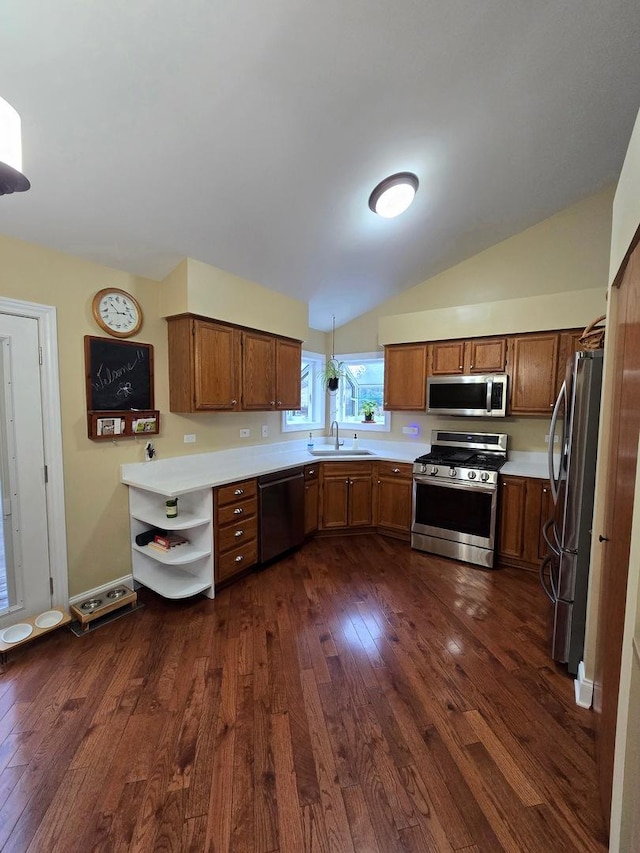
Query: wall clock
{"type": "Point", "coordinates": [117, 312]}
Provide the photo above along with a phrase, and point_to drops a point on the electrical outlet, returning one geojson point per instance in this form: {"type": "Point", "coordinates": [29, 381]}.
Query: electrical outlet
{"type": "Point", "coordinates": [189, 439]}
{"type": "Point", "coordinates": [265, 431]}
{"type": "Point", "coordinates": [410, 430]}
{"type": "Point", "coordinates": [245, 433]}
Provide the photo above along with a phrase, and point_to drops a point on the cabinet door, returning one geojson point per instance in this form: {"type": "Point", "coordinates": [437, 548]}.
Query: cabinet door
{"type": "Point", "coordinates": [569, 344]}
{"type": "Point", "coordinates": [393, 505]}
{"type": "Point", "coordinates": [288, 374]}
{"type": "Point", "coordinates": [335, 502]}
{"type": "Point", "coordinates": [513, 494]}
{"type": "Point", "coordinates": [360, 500]}
{"type": "Point", "coordinates": [487, 355]}
{"type": "Point", "coordinates": [258, 371]}
{"type": "Point", "coordinates": [216, 367]}
{"type": "Point", "coordinates": [446, 357]}
{"type": "Point", "coordinates": [405, 377]}
{"type": "Point", "coordinates": [533, 362]}
{"type": "Point", "coordinates": [310, 506]}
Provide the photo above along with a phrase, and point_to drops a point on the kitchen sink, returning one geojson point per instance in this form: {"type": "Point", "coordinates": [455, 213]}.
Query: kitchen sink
{"type": "Point", "coordinates": [343, 451]}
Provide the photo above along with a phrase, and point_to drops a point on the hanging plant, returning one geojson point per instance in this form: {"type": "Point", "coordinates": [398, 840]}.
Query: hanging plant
{"type": "Point", "coordinates": [332, 373]}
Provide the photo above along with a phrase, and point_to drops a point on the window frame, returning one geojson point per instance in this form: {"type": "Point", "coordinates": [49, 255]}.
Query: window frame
{"type": "Point", "coordinates": [316, 361]}
{"type": "Point", "coordinates": [359, 426]}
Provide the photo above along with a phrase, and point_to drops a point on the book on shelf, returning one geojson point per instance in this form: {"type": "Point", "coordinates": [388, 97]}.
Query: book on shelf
{"type": "Point", "coordinates": [166, 543]}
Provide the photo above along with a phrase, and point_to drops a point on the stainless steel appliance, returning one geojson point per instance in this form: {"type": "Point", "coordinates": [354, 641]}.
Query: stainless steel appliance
{"type": "Point", "coordinates": [455, 494]}
{"type": "Point", "coordinates": [478, 396]}
{"type": "Point", "coordinates": [281, 507]}
{"type": "Point", "coordinates": [564, 572]}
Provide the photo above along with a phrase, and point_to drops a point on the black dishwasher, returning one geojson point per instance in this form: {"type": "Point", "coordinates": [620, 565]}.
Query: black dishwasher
{"type": "Point", "coordinates": [281, 507]}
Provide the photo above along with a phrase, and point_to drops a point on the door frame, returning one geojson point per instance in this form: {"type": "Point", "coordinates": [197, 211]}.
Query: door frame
{"type": "Point", "coordinates": [52, 434]}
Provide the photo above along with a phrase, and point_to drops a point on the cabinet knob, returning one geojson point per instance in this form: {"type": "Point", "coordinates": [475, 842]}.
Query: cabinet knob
{"type": "Point", "coordinates": [239, 558]}
{"type": "Point", "coordinates": [459, 367]}
{"type": "Point", "coordinates": [378, 482]}
{"type": "Point", "coordinates": [239, 492]}
{"type": "Point", "coordinates": [312, 471]}
{"type": "Point", "coordinates": [238, 533]}
{"type": "Point", "coordinates": [234, 402]}
{"type": "Point", "coordinates": [395, 470]}
{"type": "Point", "coordinates": [238, 511]}
{"type": "Point", "coordinates": [272, 403]}
{"type": "Point", "coordinates": [470, 367]}
{"type": "Point", "coordinates": [279, 402]}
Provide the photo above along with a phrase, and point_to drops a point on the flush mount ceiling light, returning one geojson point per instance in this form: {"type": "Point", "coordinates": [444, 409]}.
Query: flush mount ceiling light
{"type": "Point", "coordinates": [11, 178]}
{"type": "Point", "coordinates": [393, 195]}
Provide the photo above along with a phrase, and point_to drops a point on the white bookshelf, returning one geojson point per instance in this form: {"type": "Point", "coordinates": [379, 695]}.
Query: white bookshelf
{"type": "Point", "coordinates": [187, 569]}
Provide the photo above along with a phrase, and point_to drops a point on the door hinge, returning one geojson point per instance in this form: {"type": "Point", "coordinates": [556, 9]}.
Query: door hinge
{"type": "Point", "coordinates": [40, 358]}
{"type": "Point", "coordinates": [46, 474]}
{"type": "Point", "coordinates": [51, 585]}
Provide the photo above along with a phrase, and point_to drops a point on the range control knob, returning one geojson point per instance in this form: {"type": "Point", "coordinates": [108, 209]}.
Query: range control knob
{"type": "Point", "coordinates": [452, 472]}
{"type": "Point", "coordinates": [423, 468]}
{"type": "Point", "coordinates": [433, 471]}
{"type": "Point", "coordinates": [471, 475]}
{"type": "Point", "coordinates": [484, 476]}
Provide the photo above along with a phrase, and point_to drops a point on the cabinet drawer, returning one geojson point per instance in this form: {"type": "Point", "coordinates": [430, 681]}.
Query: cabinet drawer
{"type": "Point", "coordinates": [395, 469]}
{"type": "Point", "coordinates": [236, 561]}
{"type": "Point", "coordinates": [236, 492]}
{"type": "Point", "coordinates": [311, 472]}
{"type": "Point", "coordinates": [237, 511]}
{"type": "Point", "coordinates": [236, 535]}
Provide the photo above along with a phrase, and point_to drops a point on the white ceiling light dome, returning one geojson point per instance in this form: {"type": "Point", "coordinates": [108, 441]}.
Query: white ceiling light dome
{"type": "Point", "coordinates": [394, 195]}
{"type": "Point", "coordinates": [11, 178]}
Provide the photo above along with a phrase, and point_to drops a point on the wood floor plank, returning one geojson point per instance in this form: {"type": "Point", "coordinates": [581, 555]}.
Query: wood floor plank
{"type": "Point", "coordinates": [356, 695]}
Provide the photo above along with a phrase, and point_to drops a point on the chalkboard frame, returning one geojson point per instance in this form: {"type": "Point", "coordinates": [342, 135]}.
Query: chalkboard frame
{"type": "Point", "coordinates": [96, 350]}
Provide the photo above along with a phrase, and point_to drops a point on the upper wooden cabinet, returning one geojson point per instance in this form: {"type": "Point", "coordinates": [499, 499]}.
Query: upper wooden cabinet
{"type": "Point", "coordinates": [405, 377]}
{"type": "Point", "coordinates": [204, 366]}
{"type": "Point", "coordinates": [270, 372]}
{"type": "Point", "coordinates": [219, 367]}
{"type": "Point", "coordinates": [477, 355]}
{"type": "Point", "coordinates": [533, 368]}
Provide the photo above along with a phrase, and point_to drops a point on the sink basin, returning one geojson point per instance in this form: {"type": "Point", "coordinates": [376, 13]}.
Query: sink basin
{"type": "Point", "coordinates": [343, 451]}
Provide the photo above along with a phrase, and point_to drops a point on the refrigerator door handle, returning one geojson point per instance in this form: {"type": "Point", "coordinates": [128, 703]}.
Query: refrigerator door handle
{"type": "Point", "coordinates": [555, 483]}
{"type": "Point", "coordinates": [553, 546]}
{"type": "Point", "coordinates": [543, 580]}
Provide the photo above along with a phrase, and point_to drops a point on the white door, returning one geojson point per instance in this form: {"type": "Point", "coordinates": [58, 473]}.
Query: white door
{"type": "Point", "coordinates": [22, 473]}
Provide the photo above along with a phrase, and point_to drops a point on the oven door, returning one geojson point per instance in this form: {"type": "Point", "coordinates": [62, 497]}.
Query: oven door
{"type": "Point", "coordinates": [460, 512]}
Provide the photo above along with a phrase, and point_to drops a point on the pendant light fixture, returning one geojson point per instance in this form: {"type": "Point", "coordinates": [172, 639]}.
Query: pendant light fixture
{"type": "Point", "coordinates": [11, 178]}
{"type": "Point", "coordinates": [393, 195]}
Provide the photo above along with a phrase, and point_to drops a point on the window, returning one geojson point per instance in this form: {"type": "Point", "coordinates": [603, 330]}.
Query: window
{"type": "Point", "coordinates": [310, 415]}
{"type": "Point", "coordinates": [361, 389]}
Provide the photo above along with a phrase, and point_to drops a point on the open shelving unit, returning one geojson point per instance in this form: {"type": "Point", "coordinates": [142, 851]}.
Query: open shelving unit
{"type": "Point", "coordinates": [183, 571]}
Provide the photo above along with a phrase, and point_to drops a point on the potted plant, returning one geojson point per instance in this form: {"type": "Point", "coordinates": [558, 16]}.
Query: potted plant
{"type": "Point", "coordinates": [333, 371]}
{"type": "Point", "coordinates": [368, 408]}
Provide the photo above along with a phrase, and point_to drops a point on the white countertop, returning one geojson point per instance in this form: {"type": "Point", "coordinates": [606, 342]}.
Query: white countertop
{"type": "Point", "coordinates": [181, 474]}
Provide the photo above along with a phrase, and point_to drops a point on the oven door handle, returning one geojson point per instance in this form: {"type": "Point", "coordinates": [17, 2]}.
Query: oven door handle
{"type": "Point", "coordinates": [450, 484]}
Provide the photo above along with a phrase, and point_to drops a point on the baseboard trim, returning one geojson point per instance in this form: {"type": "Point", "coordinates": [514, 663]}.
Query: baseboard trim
{"type": "Point", "coordinates": [126, 580]}
{"type": "Point", "coordinates": [583, 687]}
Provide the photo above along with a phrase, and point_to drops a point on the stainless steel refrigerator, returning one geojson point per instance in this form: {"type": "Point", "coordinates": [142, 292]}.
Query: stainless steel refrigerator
{"type": "Point", "coordinates": [564, 572]}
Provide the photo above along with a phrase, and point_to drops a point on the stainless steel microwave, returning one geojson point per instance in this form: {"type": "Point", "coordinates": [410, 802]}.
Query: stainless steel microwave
{"type": "Point", "coordinates": [481, 396]}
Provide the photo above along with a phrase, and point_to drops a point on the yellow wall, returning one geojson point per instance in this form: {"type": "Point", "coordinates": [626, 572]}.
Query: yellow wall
{"type": "Point", "coordinates": [558, 268]}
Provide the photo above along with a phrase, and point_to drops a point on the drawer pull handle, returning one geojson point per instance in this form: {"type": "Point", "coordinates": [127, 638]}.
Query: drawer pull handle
{"type": "Point", "coordinates": [396, 470]}
{"type": "Point", "coordinates": [239, 533]}
{"type": "Point", "coordinates": [238, 511]}
{"type": "Point", "coordinates": [239, 558]}
{"type": "Point", "coordinates": [239, 492]}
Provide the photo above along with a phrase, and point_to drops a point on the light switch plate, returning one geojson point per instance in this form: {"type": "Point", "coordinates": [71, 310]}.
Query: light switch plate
{"type": "Point", "coordinates": [190, 439]}
{"type": "Point", "coordinates": [265, 431]}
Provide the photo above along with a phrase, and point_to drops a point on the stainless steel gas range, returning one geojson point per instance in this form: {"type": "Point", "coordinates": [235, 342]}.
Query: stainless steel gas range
{"type": "Point", "coordinates": [455, 495]}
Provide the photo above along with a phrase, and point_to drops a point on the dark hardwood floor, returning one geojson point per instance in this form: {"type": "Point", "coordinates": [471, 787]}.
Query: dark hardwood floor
{"type": "Point", "coordinates": [356, 696]}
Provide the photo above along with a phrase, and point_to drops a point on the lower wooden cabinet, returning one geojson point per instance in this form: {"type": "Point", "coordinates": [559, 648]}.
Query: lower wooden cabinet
{"type": "Point", "coordinates": [393, 499]}
{"type": "Point", "coordinates": [346, 496]}
{"type": "Point", "coordinates": [235, 514]}
{"type": "Point", "coordinates": [524, 506]}
{"type": "Point", "coordinates": [311, 498]}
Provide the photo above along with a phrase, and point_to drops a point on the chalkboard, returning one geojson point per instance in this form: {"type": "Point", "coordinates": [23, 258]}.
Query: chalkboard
{"type": "Point", "coordinates": [119, 374]}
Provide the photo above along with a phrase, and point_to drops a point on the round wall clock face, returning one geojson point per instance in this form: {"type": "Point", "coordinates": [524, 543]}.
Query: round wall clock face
{"type": "Point", "coordinates": [117, 312]}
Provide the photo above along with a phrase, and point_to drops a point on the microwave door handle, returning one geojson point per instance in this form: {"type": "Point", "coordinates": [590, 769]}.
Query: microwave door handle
{"type": "Point", "coordinates": [489, 393]}
{"type": "Point", "coordinates": [555, 484]}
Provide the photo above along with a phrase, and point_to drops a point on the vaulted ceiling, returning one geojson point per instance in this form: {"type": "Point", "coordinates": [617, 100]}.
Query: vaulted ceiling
{"type": "Point", "coordinates": [249, 135]}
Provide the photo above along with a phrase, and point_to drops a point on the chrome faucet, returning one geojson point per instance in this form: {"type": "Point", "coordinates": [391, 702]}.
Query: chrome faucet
{"type": "Point", "coordinates": [338, 444]}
